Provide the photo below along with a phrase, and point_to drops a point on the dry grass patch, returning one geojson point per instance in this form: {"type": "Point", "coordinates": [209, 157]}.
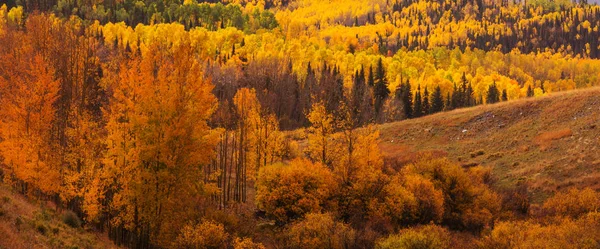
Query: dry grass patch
{"type": "Point", "coordinates": [25, 224]}
{"type": "Point", "coordinates": [548, 142]}
{"type": "Point", "coordinates": [545, 139]}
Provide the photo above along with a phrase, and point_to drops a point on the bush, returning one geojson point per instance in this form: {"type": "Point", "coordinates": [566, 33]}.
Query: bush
{"type": "Point", "coordinates": [477, 153]}
{"type": "Point", "coordinates": [429, 200]}
{"type": "Point", "coordinates": [18, 222]}
{"type": "Point", "coordinates": [288, 192]}
{"type": "Point", "coordinates": [516, 199]}
{"type": "Point", "coordinates": [573, 203]}
{"type": "Point", "coordinates": [41, 228]}
{"type": "Point", "coordinates": [71, 219]}
{"type": "Point", "coordinates": [565, 233]}
{"type": "Point", "coordinates": [207, 234]}
{"type": "Point", "coordinates": [469, 203]}
{"type": "Point", "coordinates": [321, 231]}
{"type": "Point", "coordinates": [412, 199]}
{"type": "Point", "coordinates": [430, 236]}
{"type": "Point", "coordinates": [247, 243]}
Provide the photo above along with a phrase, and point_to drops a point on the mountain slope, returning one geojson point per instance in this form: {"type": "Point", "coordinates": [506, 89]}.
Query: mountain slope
{"type": "Point", "coordinates": [549, 142]}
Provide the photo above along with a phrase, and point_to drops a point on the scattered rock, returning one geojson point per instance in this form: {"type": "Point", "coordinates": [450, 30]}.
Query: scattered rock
{"type": "Point", "coordinates": [477, 153]}
{"type": "Point", "coordinates": [495, 156]}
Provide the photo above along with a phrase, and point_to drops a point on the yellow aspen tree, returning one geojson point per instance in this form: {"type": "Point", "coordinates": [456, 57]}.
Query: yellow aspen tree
{"type": "Point", "coordinates": [261, 141]}
{"type": "Point", "coordinates": [319, 134]}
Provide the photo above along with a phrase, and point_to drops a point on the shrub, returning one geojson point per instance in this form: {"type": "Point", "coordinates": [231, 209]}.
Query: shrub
{"type": "Point", "coordinates": [429, 200]}
{"type": "Point", "coordinates": [44, 215]}
{"type": "Point", "coordinates": [18, 222]}
{"type": "Point", "coordinates": [247, 243]}
{"type": "Point", "coordinates": [565, 233]}
{"type": "Point", "coordinates": [477, 153]}
{"type": "Point", "coordinates": [71, 219]}
{"type": "Point", "coordinates": [516, 199]}
{"type": "Point", "coordinates": [320, 231]}
{"type": "Point", "coordinates": [207, 234]}
{"type": "Point", "coordinates": [412, 199]}
{"type": "Point", "coordinates": [41, 228]}
{"type": "Point", "coordinates": [572, 203]}
{"type": "Point", "coordinates": [430, 236]}
{"type": "Point", "coordinates": [468, 202]}
{"type": "Point", "coordinates": [288, 192]}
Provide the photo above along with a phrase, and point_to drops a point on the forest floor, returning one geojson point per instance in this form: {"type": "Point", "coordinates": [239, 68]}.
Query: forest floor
{"type": "Point", "coordinates": [549, 143]}
{"type": "Point", "coordinates": [28, 224]}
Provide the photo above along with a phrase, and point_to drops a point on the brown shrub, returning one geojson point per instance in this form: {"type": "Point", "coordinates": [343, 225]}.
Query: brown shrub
{"type": "Point", "coordinates": [320, 231]}
{"type": "Point", "coordinates": [516, 199]}
{"type": "Point", "coordinates": [247, 243]}
{"type": "Point", "coordinates": [565, 233]}
{"type": "Point", "coordinates": [207, 234]}
{"type": "Point", "coordinates": [288, 192]}
{"type": "Point", "coordinates": [468, 202]}
{"type": "Point", "coordinates": [430, 236]}
{"type": "Point", "coordinates": [572, 203]}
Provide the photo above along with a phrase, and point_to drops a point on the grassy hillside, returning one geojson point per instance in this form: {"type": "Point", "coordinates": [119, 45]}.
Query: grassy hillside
{"type": "Point", "coordinates": [551, 142]}
{"type": "Point", "coordinates": [24, 224]}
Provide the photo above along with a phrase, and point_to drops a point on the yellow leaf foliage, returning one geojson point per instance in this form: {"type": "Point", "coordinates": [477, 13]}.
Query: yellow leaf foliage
{"type": "Point", "coordinates": [320, 231]}
{"type": "Point", "coordinates": [288, 192]}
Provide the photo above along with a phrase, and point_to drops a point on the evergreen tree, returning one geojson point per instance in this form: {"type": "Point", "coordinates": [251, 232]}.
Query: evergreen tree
{"type": "Point", "coordinates": [358, 90]}
{"type": "Point", "coordinates": [425, 102]}
{"type": "Point", "coordinates": [530, 92]}
{"type": "Point", "coordinates": [464, 98]}
{"type": "Point", "coordinates": [308, 89]}
{"type": "Point", "coordinates": [456, 98]}
{"type": "Point", "coordinates": [469, 98]}
{"type": "Point", "coordinates": [437, 101]}
{"type": "Point", "coordinates": [381, 90]}
{"type": "Point", "coordinates": [448, 102]}
{"type": "Point", "coordinates": [407, 100]}
{"type": "Point", "coordinates": [493, 94]}
{"type": "Point", "coordinates": [380, 76]}
{"type": "Point", "coordinates": [128, 48]}
{"type": "Point", "coordinates": [418, 112]}
{"type": "Point", "coordinates": [504, 95]}
{"type": "Point", "coordinates": [371, 80]}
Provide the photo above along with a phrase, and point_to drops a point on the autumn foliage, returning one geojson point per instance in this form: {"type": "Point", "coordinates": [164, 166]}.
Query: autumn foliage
{"type": "Point", "coordinates": [254, 124]}
{"type": "Point", "coordinates": [288, 192]}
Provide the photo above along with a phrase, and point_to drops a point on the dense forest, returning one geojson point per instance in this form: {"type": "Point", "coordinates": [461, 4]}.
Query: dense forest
{"type": "Point", "coordinates": [252, 124]}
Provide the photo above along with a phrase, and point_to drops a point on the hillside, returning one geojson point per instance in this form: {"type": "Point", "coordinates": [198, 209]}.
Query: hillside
{"type": "Point", "coordinates": [24, 224]}
{"type": "Point", "coordinates": [550, 142]}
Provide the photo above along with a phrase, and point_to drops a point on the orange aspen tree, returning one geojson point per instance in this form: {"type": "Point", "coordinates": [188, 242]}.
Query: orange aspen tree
{"type": "Point", "coordinates": [28, 93]}
{"type": "Point", "coordinates": [159, 141]}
